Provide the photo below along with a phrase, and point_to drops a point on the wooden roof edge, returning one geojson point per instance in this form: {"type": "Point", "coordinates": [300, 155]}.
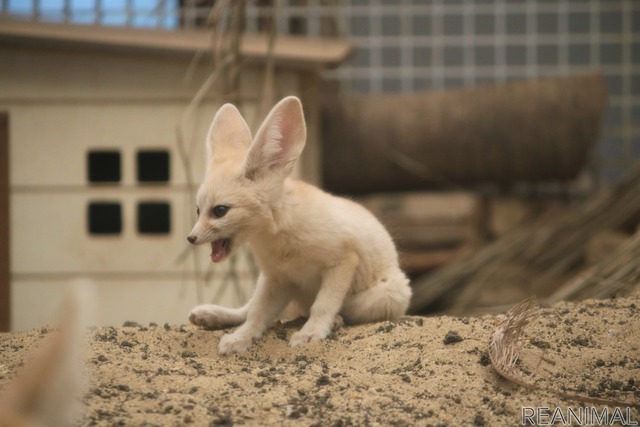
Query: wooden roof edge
{"type": "Point", "coordinates": [288, 50]}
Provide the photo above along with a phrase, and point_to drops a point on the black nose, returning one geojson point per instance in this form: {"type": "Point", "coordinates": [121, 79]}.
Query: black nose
{"type": "Point", "coordinates": [192, 239]}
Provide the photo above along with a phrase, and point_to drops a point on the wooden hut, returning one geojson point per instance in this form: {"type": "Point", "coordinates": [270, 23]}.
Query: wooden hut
{"type": "Point", "coordinates": [92, 185]}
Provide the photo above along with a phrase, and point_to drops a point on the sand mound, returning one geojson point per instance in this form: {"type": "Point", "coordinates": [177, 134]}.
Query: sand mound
{"type": "Point", "coordinates": [419, 371]}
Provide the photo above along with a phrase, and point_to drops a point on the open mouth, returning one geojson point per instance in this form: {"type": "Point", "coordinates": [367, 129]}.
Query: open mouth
{"type": "Point", "coordinates": [220, 249]}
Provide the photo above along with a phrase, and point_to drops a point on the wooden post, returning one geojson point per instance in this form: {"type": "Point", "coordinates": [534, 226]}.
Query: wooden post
{"type": "Point", "coordinates": [5, 283]}
{"type": "Point", "coordinates": [310, 163]}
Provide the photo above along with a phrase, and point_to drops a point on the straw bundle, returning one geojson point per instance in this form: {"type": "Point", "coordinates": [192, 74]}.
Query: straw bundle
{"type": "Point", "coordinates": [536, 258]}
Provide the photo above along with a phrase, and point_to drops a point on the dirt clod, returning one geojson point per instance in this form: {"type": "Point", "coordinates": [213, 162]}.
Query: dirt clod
{"type": "Point", "coordinates": [452, 337]}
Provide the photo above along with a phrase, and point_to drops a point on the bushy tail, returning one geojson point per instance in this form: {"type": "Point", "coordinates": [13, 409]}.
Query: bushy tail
{"type": "Point", "coordinates": [46, 392]}
{"type": "Point", "coordinates": [387, 300]}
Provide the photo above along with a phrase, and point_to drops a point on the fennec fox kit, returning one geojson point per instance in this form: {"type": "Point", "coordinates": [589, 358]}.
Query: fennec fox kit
{"type": "Point", "coordinates": [324, 256]}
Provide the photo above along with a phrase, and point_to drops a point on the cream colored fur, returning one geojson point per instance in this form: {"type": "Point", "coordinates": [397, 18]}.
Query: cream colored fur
{"type": "Point", "coordinates": [326, 258]}
{"type": "Point", "coordinates": [47, 391]}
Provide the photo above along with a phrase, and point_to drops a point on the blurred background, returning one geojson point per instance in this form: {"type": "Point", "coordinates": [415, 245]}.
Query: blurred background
{"type": "Point", "coordinates": [404, 45]}
{"type": "Point", "coordinates": [498, 141]}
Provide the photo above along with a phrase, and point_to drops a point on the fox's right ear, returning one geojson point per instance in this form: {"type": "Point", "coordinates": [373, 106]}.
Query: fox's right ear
{"type": "Point", "coordinates": [229, 135]}
{"type": "Point", "coordinates": [279, 140]}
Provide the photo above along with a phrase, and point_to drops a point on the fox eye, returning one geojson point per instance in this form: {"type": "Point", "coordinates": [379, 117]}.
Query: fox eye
{"type": "Point", "coordinates": [219, 211]}
{"type": "Point", "coordinates": [197, 211]}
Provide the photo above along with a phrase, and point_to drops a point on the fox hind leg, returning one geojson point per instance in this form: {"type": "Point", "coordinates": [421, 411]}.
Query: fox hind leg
{"type": "Point", "coordinates": [214, 316]}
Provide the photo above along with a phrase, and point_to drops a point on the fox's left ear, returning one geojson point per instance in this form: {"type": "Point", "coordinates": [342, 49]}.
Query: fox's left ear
{"type": "Point", "coordinates": [228, 136]}
{"type": "Point", "coordinates": [279, 141]}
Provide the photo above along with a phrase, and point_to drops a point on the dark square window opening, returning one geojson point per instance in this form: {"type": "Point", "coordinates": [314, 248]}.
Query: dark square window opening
{"type": "Point", "coordinates": [153, 165]}
{"type": "Point", "coordinates": [105, 218]}
{"type": "Point", "coordinates": [103, 166]}
{"type": "Point", "coordinates": [154, 218]}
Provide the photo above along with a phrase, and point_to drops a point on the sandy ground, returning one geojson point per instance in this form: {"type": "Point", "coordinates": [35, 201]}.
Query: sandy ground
{"type": "Point", "coordinates": [418, 371]}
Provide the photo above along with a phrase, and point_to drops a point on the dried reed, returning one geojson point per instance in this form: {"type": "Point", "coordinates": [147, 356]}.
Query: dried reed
{"type": "Point", "coordinates": [543, 254]}
{"type": "Point", "coordinates": [504, 352]}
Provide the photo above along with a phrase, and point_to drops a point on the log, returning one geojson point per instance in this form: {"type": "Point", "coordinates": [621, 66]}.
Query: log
{"type": "Point", "coordinates": [416, 262]}
{"type": "Point", "coordinates": [529, 131]}
{"type": "Point", "coordinates": [536, 258]}
{"type": "Point", "coordinates": [423, 220]}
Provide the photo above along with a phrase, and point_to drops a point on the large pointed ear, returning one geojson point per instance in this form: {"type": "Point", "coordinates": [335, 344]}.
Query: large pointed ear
{"type": "Point", "coordinates": [229, 135]}
{"type": "Point", "coordinates": [279, 141]}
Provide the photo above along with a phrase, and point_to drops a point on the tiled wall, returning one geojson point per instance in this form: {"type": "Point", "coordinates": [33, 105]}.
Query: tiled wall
{"type": "Point", "coordinates": [410, 45]}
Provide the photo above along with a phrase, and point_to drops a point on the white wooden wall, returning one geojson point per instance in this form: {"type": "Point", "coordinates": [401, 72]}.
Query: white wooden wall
{"type": "Point", "coordinates": [63, 103]}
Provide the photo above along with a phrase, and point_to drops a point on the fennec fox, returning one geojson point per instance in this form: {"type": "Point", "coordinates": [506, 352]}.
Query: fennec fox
{"type": "Point", "coordinates": [325, 256]}
{"type": "Point", "coordinates": [47, 391]}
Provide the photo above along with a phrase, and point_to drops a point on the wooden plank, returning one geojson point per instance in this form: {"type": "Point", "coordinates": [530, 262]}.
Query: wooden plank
{"type": "Point", "coordinates": [39, 74]}
{"type": "Point", "coordinates": [38, 131]}
{"type": "Point", "coordinates": [5, 283]}
{"type": "Point", "coordinates": [421, 207]}
{"type": "Point", "coordinates": [418, 262]}
{"type": "Point", "coordinates": [293, 51]}
{"type": "Point", "coordinates": [69, 248]}
{"type": "Point", "coordinates": [430, 236]}
{"type": "Point", "coordinates": [427, 220]}
{"type": "Point", "coordinates": [166, 300]}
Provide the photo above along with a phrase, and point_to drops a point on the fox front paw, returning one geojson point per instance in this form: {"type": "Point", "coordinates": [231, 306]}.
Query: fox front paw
{"type": "Point", "coordinates": [303, 337]}
{"type": "Point", "coordinates": [234, 344]}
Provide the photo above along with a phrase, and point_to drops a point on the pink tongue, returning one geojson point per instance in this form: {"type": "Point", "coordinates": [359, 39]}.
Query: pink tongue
{"type": "Point", "coordinates": [218, 250]}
